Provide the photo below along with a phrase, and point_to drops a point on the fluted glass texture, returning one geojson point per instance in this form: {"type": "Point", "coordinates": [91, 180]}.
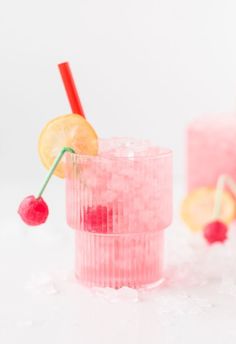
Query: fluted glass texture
{"type": "Point", "coordinates": [119, 202]}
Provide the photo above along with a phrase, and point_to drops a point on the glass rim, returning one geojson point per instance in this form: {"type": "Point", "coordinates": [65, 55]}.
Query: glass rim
{"type": "Point", "coordinates": [165, 152]}
{"type": "Point", "coordinates": [159, 231]}
{"type": "Point", "coordinates": [162, 153]}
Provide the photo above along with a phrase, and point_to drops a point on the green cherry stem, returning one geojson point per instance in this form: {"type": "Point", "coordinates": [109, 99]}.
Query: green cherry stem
{"type": "Point", "coordinates": [221, 182]}
{"type": "Point", "coordinates": [53, 167]}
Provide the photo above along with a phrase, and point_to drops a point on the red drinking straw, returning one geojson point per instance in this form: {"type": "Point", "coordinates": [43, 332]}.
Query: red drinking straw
{"type": "Point", "coordinates": [70, 88]}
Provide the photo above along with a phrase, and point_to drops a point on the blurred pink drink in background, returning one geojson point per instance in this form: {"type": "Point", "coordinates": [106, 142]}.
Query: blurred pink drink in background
{"type": "Point", "coordinates": [119, 203]}
{"type": "Point", "coordinates": [211, 150]}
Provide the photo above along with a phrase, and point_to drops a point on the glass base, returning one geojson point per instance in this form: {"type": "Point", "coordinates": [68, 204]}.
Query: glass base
{"type": "Point", "coordinates": [133, 260]}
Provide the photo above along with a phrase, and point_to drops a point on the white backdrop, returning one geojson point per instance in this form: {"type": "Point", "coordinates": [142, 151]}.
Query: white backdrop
{"type": "Point", "coordinates": [143, 69]}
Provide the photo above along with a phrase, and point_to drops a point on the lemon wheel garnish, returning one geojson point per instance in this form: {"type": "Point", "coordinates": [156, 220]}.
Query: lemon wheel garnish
{"type": "Point", "coordinates": [71, 131]}
{"type": "Point", "coordinates": [197, 207]}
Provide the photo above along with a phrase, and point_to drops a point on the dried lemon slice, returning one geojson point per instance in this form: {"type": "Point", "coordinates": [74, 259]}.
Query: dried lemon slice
{"type": "Point", "coordinates": [69, 130]}
{"type": "Point", "coordinates": [197, 207]}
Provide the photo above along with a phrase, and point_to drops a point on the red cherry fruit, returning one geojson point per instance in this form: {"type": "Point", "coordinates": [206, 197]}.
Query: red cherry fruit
{"type": "Point", "coordinates": [98, 219]}
{"type": "Point", "coordinates": [33, 211]}
{"type": "Point", "coordinates": [215, 231]}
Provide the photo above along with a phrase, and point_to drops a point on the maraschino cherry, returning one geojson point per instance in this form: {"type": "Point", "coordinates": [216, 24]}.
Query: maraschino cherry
{"type": "Point", "coordinates": [34, 210]}
{"type": "Point", "coordinates": [215, 231]}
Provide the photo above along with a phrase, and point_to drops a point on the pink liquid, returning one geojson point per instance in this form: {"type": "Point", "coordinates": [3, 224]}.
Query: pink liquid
{"type": "Point", "coordinates": [132, 260]}
{"type": "Point", "coordinates": [120, 202]}
{"type": "Point", "coordinates": [211, 143]}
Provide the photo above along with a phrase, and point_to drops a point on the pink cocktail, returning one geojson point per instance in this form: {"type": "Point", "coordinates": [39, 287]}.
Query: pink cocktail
{"type": "Point", "coordinates": [119, 202]}
{"type": "Point", "coordinates": [211, 152]}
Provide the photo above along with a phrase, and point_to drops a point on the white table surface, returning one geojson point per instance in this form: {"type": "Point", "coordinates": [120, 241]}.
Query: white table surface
{"type": "Point", "coordinates": [40, 302]}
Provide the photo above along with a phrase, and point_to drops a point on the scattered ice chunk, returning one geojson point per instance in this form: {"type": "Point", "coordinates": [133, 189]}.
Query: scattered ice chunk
{"type": "Point", "coordinates": [129, 294]}
{"type": "Point", "coordinates": [117, 295]}
{"type": "Point", "coordinates": [43, 284]}
{"type": "Point", "coordinates": [109, 294]}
